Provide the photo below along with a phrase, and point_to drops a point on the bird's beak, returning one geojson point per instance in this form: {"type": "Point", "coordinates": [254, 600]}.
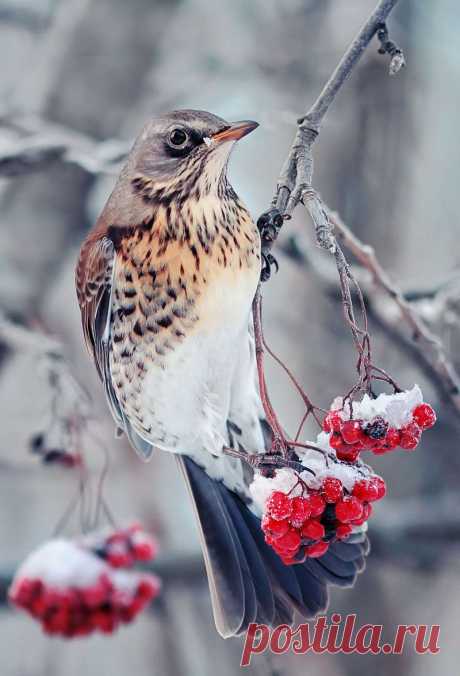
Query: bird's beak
{"type": "Point", "coordinates": [235, 131]}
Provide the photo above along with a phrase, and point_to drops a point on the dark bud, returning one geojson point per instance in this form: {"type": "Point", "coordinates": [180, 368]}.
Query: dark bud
{"type": "Point", "coordinates": [36, 443]}
{"type": "Point", "coordinates": [377, 428]}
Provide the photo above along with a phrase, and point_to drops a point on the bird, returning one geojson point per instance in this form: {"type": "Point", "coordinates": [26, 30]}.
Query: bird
{"type": "Point", "coordinates": [165, 283]}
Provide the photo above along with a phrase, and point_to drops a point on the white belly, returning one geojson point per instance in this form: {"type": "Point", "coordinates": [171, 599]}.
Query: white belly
{"type": "Point", "coordinates": [186, 404]}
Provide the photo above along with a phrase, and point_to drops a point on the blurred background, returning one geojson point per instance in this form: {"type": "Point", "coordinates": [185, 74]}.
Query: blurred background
{"type": "Point", "coordinates": [78, 78]}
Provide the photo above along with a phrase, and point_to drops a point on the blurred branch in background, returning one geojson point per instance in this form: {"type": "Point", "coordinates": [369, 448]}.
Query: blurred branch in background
{"type": "Point", "coordinates": [30, 144]}
{"type": "Point", "coordinates": [422, 343]}
{"type": "Point", "coordinates": [58, 439]}
{"type": "Point", "coordinates": [100, 72]}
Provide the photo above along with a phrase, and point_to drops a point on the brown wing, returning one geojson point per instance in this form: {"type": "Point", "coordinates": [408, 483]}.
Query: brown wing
{"type": "Point", "coordinates": [93, 280]}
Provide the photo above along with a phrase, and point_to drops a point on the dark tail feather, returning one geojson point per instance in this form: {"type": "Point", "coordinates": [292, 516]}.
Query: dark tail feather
{"type": "Point", "coordinates": [247, 580]}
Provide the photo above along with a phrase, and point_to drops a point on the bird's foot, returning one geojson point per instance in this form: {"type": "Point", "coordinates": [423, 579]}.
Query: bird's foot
{"type": "Point", "coordinates": [268, 260]}
{"type": "Point", "coordinates": [269, 224]}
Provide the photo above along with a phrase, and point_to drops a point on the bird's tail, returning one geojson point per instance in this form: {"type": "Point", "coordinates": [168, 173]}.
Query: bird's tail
{"type": "Point", "coordinates": [247, 580]}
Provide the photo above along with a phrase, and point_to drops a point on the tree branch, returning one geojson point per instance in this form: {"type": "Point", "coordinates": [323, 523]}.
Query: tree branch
{"type": "Point", "coordinates": [295, 181]}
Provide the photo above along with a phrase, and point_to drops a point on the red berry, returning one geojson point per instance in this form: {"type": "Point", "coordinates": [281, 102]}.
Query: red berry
{"type": "Point", "coordinates": [348, 452]}
{"type": "Point", "coordinates": [366, 490]}
{"type": "Point", "coordinates": [379, 449]}
{"type": "Point", "coordinates": [104, 620]}
{"type": "Point", "coordinates": [332, 489]}
{"type": "Point", "coordinates": [381, 486]}
{"type": "Point", "coordinates": [351, 431]}
{"type": "Point", "coordinates": [119, 559]}
{"type": "Point", "coordinates": [335, 440]}
{"type": "Point", "coordinates": [393, 438]}
{"type": "Point", "coordinates": [148, 588]}
{"type": "Point", "coordinates": [317, 504]}
{"type": "Point", "coordinates": [317, 549]}
{"type": "Point", "coordinates": [301, 510]}
{"type": "Point", "coordinates": [367, 511]}
{"type": "Point", "coordinates": [410, 436]}
{"type": "Point", "coordinates": [343, 530]}
{"type": "Point", "coordinates": [39, 605]}
{"type": "Point", "coordinates": [94, 596]}
{"type": "Point", "coordinates": [279, 505]}
{"type": "Point", "coordinates": [290, 542]}
{"type": "Point", "coordinates": [275, 527]}
{"type": "Point", "coordinates": [424, 416]}
{"type": "Point", "coordinates": [144, 551]}
{"type": "Point", "coordinates": [332, 422]}
{"type": "Point", "coordinates": [313, 530]}
{"type": "Point", "coordinates": [348, 509]}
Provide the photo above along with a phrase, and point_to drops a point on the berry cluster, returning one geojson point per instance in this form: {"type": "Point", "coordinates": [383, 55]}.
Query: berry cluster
{"type": "Point", "coordinates": [74, 589]}
{"type": "Point", "coordinates": [303, 526]}
{"type": "Point", "coordinates": [74, 611]}
{"type": "Point", "coordinates": [348, 437]}
{"type": "Point", "coordinates": [124, 547]}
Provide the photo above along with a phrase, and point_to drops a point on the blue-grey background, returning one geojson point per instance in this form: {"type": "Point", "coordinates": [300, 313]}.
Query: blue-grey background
{"type": "Point", "coordinates": [388, 160]}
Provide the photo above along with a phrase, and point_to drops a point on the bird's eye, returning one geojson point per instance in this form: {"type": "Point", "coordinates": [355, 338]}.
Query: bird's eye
{"type": "Point", "coordinates": [178, 138]}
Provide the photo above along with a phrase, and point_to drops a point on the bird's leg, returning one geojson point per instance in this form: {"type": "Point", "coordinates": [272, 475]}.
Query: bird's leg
{"type": "Point", "coordinates": [269, 224]}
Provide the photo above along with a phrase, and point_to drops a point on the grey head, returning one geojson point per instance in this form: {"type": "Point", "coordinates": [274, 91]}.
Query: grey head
{"type": "Point", "coordinates": [185, 140]}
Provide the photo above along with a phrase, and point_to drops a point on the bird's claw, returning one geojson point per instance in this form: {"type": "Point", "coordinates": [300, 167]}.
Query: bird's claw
{"type": "Point", "coordinates": [268, 260]}
{"type": "Point", "coordinates": [269, 224]}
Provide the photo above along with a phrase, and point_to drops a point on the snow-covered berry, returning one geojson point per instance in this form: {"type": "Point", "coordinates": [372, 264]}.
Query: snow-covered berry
{"type": "Point", "coordinates": [332, 489]}
{"type": "Point", "coordinates": [301, 510]}
{"type": "Point", "coordinates": [313, 530]}
{"type": "Point", "coordinates": [424, 415]}
{"type": "Point", "coordinates": [410, 436]}
{"type": "Point", "coordinates": [317, 504]}
{"type": "Point", "coordinates": [317, 549]}
{"type": "Point", "coordinates": [349, 509]}
{"type": "Point", "coordinates": [351, 431]}
{"type": "Point", "coordinates": [279, 505]}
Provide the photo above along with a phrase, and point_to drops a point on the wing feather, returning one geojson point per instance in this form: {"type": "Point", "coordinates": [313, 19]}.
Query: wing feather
{"type": "Point", "coordinates": [94, 281]}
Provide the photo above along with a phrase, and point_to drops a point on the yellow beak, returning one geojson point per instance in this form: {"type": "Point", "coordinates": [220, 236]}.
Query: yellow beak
{"type": "Point", "coordinates": [235, 131]}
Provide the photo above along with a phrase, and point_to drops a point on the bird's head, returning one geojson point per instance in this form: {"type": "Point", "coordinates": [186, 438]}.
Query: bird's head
{"type": "Point", "coordinates": [185, 151]}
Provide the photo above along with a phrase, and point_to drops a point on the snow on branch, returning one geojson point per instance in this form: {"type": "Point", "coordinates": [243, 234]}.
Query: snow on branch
{"type": "Point", "coordinates": [30, 144]}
